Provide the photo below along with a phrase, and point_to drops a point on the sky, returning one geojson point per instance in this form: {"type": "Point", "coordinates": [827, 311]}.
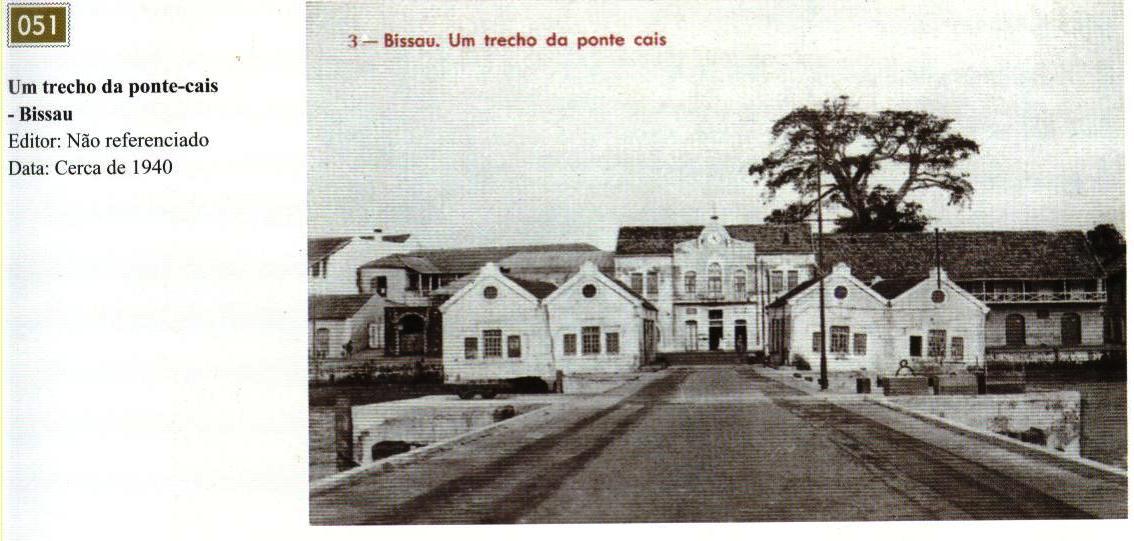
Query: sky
{"type": "Point", "coordinates": [482, 146]}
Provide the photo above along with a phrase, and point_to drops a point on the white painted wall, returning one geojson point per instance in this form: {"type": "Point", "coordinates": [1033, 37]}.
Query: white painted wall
{"type": "Point", "coordinates": [341, 277]}
{"type": "Point", "coordinates": [959, 315]}
{"type": "Point", "coordinates": [514, 311]}
{"type": "Point", "coordinates": [861, 310]}
{"type": "Point", "coordinates": [609, 309]}
{"type": "Point", "coordinates": [624, 266]}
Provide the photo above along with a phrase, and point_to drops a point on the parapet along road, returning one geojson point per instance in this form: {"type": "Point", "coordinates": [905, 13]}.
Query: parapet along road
{"type": "Point", "coordinates": [719, 443]}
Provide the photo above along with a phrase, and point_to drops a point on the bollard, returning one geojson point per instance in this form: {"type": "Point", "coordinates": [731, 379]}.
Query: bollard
{"type": "Point", "coordinates": [344, 435]}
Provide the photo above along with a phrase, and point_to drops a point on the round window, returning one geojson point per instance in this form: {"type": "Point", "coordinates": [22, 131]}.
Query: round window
{"type": "Point", "coordinates": [840, 292]}
{"type": "Point", "coordinates": [589, 290]}
{"type": "Point", "coordinates": [490, 292]}
{"type": "Point", "coordinates": [938, 296]}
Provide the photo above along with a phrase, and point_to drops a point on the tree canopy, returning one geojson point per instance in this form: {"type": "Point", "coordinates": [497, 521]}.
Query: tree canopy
{"type": "Point", "coordinates": [843, 149]}
{"type": "Point", "coordinates": [1107, 242]}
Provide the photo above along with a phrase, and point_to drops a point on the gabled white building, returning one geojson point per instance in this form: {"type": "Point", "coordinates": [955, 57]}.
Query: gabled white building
{"type": "Point", "coordinates": [600, 325]}
{"type": "Point", "coordinates": [500, 327]}
{"type": "Point", "coordinates": [872, 328]}
{"type": "Point", "coordinates": [333, 262]}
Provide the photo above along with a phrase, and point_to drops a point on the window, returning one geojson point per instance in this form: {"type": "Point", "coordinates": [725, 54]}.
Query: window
{"type": "Point", "coordinates": [652, 283]}
{"type": "Point", "coordinates": [589, 290]}
{"type": "Point", "coordinates": [570, 342]}
{"type": "Point", "coordinates": [792, 279]}
{"type": "Point", "coordinates": [840, 339]}
{"type": "Point", "coordinates": [514, 349]}
{"type": "Point", "coordinates": [840, 292]}
{"type": "Point", "coordinates": [777, 281]}
{"type": "Point", "coordinates": [1043, 313]}
{"type": "Point", "coordinates": [612, 343]}
{"type": "Point", "coordinates": [378, 285]}
{"type": "Point", "coordinates": [690, 282]}
{"type": "Point", "coordinates": [470, 347]}
{"type": "Point", "coordinates": [492, 343]}
{"type": "Point", "coordinates": [816, 342]}
{"type": "Point", "coordinates": [739, 282]}
{"type": "Point", "coordinates": [1071, 329]}
{"type": "Point", "coordinates": [636, 282]}
{"type": "Point", "coordinates": [915, 346]}
{"type": "Point", "coordinates": [374, 335]}
{"type": "Point", "coordinates": [1014, 330]}
{"type": "Point", "coordinates": [322, 343]}
{"type": "Point", "coordinates": [859, 344]}
{"type": "Point", "coordinates": [715, 279]}
{"type": "Point", "coordinates": [937, 343]}
{"type": "Point", "coordinates": [319, 269]}
{"type": "Point", "coordinates": [490, 292]}
{"type": "Point", "coordinates": [591, 345]}
{"type": "Point", "coordinates": [958, 348]}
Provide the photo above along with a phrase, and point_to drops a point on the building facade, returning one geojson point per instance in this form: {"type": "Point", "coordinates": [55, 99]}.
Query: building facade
{"type": "Point", "coordinates": [711, 283]}
{"type": "Point", "coordinates": [333, 262]}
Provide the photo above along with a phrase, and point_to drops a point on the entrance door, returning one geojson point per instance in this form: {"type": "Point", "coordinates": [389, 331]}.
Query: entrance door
{"type": "Point", "coordinates": [716, 332]}
{"type": "Point", "coordinates": [411, 335]}
{"type": "Point", "coordinates": [740, 336]}
{"type": "Point", "coordinates": [690, 335]}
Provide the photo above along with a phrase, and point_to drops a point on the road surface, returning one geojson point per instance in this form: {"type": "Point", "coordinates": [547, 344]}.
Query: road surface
{"type": "Point", "coordinates": [718, 444]}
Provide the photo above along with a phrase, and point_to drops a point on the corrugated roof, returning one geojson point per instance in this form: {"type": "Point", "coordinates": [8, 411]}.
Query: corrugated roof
{"type": "Point", "coordinates": [319, 248]}
{"type": "Point", "coordinates": [768, 238]}
{"type": "Point", "coordinates": [467, 260]}
{"type": "Point", "coordinates": [557, 261]}
{"type": "Point", "coordinates": [335, 306]}
{"type": "Point", "coordinates": [965, 255]}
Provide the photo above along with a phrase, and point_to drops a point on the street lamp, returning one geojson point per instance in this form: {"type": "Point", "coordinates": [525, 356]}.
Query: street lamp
{"type": "Point", "coordinates": [822, 289]}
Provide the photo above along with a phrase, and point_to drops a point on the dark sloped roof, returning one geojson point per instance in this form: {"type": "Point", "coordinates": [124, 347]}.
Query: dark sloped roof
{"type": "Point", "coordinates": [768, 238]}
{"type": "Point", "coordinates": [892, 288]}
{"type": "Point", "coordinates": [557, 261]}
{"type": "Point", "coordinates": [782, 300]}
{"type": "Point", "coordinates": [540, 289]}
{"type": "Point", "coordinates": [965, 255]}
{"type": "Point", "coordinates": [467, 260]}
{"type": "Point", "coordinates": [401, 261]}
{"type": "Point", "coordinates": [319, 248]}
{"type": "Point", "coordinates": [334, 306]}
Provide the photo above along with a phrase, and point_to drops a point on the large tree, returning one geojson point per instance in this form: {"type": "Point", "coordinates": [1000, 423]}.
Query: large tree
{"type": "Point", "coordinates": [843, 149]}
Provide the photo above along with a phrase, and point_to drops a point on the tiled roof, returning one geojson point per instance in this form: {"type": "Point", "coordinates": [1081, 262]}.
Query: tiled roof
{"type": "Point", "coordinates": [467, 260]}
{"type": "Point", "coordinates": [965, 255]}
{"type": "Point", "coordinates": [334, 306]}
{"type": "Point", "coordinates": [540, 289]}
{"type": "Point", "coordinates": [768, 238]}
{"type": "Point", "coordinates": [319, 248]}
{"type": "Point", "coordinates": [782, 300]}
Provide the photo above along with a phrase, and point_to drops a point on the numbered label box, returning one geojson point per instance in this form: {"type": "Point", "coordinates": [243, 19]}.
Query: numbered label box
{"type": "Point", "coordinates": [39, 25]}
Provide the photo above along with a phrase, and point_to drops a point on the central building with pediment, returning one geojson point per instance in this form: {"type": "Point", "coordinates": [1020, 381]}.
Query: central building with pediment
{"type": "Point", "coordinates": [711, 283]}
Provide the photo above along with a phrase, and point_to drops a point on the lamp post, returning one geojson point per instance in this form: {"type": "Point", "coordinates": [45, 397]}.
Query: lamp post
{"type": "Point", "coordinates": [822, 289]}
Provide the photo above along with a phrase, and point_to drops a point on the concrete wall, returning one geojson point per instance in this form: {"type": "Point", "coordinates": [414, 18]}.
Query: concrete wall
{"type": "Point", "coordinates": [1057, 414]}
{"type": "Point", "coordinates": [1040, 332]}
{"type": "Point", "coordinates": [609, 309]}
{"type": "Point", "coordinates": [513, 312]}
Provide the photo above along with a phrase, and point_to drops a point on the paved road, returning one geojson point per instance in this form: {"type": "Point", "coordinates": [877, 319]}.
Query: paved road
{"type": "Point", "coordinates": [712, 444]}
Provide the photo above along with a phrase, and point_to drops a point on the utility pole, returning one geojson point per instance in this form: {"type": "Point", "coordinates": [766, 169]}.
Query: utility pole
{"type": "Point", "coordinates": [822, 289]}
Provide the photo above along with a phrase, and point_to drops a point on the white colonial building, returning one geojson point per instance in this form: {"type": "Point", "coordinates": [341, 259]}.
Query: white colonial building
{"type": "Point", "coordinates": [872, 328]}
{"type": "Point", "coordinates": [500, 327]}
{"type": "Point", "coordinates": [711, 283]}
{"type": "Point", "coordinates": [333, 262]}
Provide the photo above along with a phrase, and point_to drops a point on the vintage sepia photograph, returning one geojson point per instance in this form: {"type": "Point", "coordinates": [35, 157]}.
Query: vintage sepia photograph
{"type": "Point", "coordinates": [727, 261]}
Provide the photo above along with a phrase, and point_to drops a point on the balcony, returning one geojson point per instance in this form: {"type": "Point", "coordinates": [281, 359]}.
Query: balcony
{"type": "Point", "coordinates": [715, 296]}
{"type": "Point", "coordinates": [1040, 296]}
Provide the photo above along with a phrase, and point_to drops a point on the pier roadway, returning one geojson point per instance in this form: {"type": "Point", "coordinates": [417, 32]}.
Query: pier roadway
{"type": "Point", "coordinates": [719, 443]}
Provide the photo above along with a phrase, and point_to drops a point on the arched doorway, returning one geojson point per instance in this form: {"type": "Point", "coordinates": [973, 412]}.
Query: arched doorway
{"type": "Point", "coordinates": [1071, 329]}
{"type": "Point", "coordinates": [1014, 330]}
{"type": "Point", "coordinates": [411, 334]}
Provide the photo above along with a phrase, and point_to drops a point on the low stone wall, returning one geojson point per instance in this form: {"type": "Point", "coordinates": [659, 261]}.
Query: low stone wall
{"type": "Point", "coordinates": [594, 383]}
{"type": "Point", "coordinates": [422, 421]}
{"type": "Point", "coordinates": [1051, 419]}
